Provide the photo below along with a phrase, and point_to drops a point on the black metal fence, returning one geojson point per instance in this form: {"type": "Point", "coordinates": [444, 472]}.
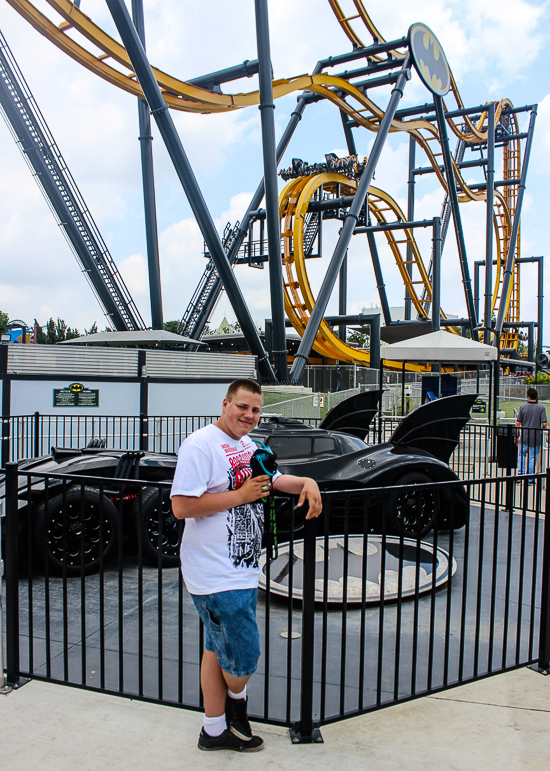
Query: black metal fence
{"type": "Point", "coordinates": [484, 450]}
{"type": "Point", "coordinates": [350, 620]}
{"type": "Point", "coordinates": [29, 436]}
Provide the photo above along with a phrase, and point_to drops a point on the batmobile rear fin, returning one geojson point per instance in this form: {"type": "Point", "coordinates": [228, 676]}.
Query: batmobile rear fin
{"type": "Point", "coordinates": [59, 454]}
{"type": "Point", "coordinates": [353, 415]}
{"type": "Point", "coordinates": [435, 427]}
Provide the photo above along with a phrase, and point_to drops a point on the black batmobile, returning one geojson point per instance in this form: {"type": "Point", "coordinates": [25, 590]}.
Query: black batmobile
{"type": "Point", "coordinates": [77, 525]}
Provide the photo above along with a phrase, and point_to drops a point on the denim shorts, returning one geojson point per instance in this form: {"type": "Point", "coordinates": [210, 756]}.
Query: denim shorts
{"type": "Point", "coordinates": [231, 631]}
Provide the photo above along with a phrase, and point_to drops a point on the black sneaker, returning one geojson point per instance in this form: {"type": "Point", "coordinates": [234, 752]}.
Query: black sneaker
{"type": "Point", "coordinates": [228, 741]}
{"type": "Point", "coordinates": [236, 714]}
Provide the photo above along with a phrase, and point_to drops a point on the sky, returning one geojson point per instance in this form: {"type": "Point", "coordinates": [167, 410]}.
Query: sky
{"type": "Point", "coordinates": [495, 50]}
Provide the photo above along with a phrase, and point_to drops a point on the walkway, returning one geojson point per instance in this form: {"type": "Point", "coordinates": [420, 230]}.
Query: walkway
{"type": "Point", "coordinates": [500, 722]}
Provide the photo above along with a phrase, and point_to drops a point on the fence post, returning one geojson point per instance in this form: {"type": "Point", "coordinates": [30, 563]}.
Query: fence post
{"type": "Point", "coordinates": [12, 576]}
{"type": "Point", "coordinates": [36, 434]}
{"type": "Point", "coordinates": [304, 732]}
{"type": "Point", "coordinates": [543, 664]}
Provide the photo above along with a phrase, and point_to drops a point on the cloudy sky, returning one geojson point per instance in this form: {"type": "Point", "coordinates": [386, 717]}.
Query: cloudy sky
{"type": "Point", "coordinates": [495, 49]}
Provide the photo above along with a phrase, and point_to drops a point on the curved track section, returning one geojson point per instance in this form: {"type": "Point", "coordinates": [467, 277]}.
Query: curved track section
{"type": "Point", "coordinates": [295, 218]}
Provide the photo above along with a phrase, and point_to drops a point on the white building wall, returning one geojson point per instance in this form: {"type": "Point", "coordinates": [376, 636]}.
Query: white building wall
{"type": "Point", "coordinates": [186, 398]}
{"type": "Point", "coordinates": [29, 396]}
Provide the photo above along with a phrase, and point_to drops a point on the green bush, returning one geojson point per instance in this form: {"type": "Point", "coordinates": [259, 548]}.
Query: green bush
{"type": "Point", "coordinates": [542, 377]}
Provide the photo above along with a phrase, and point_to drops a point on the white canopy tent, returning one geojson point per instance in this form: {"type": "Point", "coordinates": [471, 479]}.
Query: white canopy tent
{"type": "Point", "coordinates": [440, 346]}
{"type": "Point", "coordinates": [139, 337]}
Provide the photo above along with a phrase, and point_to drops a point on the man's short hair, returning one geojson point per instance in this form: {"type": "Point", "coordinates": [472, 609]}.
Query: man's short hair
{"type": "Point", "coordinates": [246, 384]}
{"type": "Point", "coordinates": [533, 394]}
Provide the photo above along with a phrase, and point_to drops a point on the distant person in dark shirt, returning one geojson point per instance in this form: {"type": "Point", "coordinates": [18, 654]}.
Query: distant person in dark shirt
{"type": "Point", "coordinates": [530, 421]}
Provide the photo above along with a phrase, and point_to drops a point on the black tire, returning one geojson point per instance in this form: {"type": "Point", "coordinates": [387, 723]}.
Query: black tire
{"type": "Point", "coordinates": [147, 527]}
{"type": "Point", "coordinates": [59, 535]}
{"type": "Point", "coordinates": [412, 513]}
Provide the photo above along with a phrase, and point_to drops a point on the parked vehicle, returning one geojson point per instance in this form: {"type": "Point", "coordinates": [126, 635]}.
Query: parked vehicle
{"type": "Point", "coordinates": [66, 514]}
{"type": "Point", "coordinates": [417, 453]}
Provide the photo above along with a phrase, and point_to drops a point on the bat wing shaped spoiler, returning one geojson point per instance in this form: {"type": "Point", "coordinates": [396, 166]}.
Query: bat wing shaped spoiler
{"type": "Point", "coordinates": [353, 415]}
{"type": "Point", "coordinates": [435, 427]}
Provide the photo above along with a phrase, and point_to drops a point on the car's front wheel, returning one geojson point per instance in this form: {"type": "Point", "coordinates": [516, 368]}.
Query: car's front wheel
{"type": "Point", "coordinates": [75, 531]}
{"type": "Point", "coordinates": [412, 512]}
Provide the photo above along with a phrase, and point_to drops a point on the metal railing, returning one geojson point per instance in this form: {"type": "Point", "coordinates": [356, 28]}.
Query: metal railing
{"type": "Point", "coordinates": [350, 621]}
{"type": "Point", "coordinates": [34, 435]}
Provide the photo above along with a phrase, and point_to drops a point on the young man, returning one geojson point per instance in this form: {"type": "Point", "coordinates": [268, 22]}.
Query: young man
{"type": "Point", "coordinates": [213, 490]}
{"type": "Point", "coordinates": [530, 419]}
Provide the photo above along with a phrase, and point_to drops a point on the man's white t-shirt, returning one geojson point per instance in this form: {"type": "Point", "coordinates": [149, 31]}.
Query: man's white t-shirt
{"type": "Point", "coordinates": [219, 552]}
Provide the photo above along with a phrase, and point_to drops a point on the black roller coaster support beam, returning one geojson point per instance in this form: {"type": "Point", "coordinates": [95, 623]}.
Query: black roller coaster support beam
{"type": "Point", "coordinates": [453, 198]}
{"type": "Point", "coordinates": [364, 53]}
{"type": "Point", "coordinates": [350, 140]}
{"type": "Point", "coordinates": [500, 183]}
{"type": "Point", "coordinates": [410, 214]}
{"type": "Point", "coordinates": [394, 226]}
{"type": "Point", "coordinates": [436, 276]}
{"type": "Point", "coordinates": [342, 297]}
{"type": "Point", "coordinates": [489, 216]}
{"type": "Point", "coordinates": [507, 276]}
{"type": "Point", "coordinates": [148, 177]}
{"type": "Point", "coordinates": [381, 287]}
{"type": "Point", "coordinates": [267, 110]}
{"type": "Point", "coordinates": [245, 70]}
{"type": "Point", "coordinates": [346, 232]}
{"type": "Point", "coordinates": [389, 64]}
{"type": "Point", "coordinates": [461, 165]}
{"type": "Point", "coordinates": [159, 109]}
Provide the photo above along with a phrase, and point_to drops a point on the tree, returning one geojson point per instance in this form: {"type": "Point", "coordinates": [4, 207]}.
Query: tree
{"type": "Point", "coordinates": [4, 321]}
{"type": "Point", "coordinates": [71, 334]}
{"type": "Point", "coordinates": [93, 329]}
{"type": "Point", "coordinates": [41, 336]}
{"type": "Point", "coordinates": [57, 331]}
{"type": "Point", "coordinates": [358, 338]}
{"type": "Point", "coordinates": [171, 326]}
{"type": "Point", "coordinates": [51, 332]}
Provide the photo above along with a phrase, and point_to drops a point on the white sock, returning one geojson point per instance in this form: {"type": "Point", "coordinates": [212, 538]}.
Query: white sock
{"type": "Point", "coordinates": [241, 695]}
{"type": "Point", "coordinates": [215, 726]}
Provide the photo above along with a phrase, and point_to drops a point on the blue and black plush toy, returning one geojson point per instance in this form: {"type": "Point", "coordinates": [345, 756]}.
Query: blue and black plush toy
{"type": "Point", "coordinates": [264, 461]}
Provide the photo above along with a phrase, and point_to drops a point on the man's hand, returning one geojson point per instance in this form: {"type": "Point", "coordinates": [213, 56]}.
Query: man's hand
{"type": "Point", "coordinates": [306, 488]}
{"type": "Point", "coordinates": [311, 494]}
{"type": "Point", "coordinates": [254, 488]}
{"type": "Point", "coordinates": [251, 490]}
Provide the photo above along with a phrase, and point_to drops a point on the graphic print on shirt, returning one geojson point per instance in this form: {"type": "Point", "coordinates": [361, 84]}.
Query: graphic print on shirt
{"type": "Point", "coordinates": [244, 523]}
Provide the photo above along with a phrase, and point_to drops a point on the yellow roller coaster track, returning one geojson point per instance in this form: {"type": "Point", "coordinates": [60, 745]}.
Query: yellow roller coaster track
{"type": "Point", "coordinates": [299, 299]}
{"type": "Point", "coordinates": [113, 65]}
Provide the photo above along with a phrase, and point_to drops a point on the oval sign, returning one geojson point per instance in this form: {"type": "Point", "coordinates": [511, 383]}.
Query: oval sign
{"type": "Point", "coordinates": [429, 59]}
{"type": "Point", "coordinates": [389, 569]}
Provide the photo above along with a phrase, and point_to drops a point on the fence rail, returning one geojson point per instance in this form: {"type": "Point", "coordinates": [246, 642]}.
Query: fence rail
{"type": "Point", "coordinates": [351, 622]}
{"type": "Point", "coordinates": [33, 435]}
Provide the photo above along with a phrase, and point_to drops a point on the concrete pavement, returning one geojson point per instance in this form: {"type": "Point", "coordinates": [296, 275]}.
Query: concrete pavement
{"type": "Point", "coordinates": [502, 722]}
